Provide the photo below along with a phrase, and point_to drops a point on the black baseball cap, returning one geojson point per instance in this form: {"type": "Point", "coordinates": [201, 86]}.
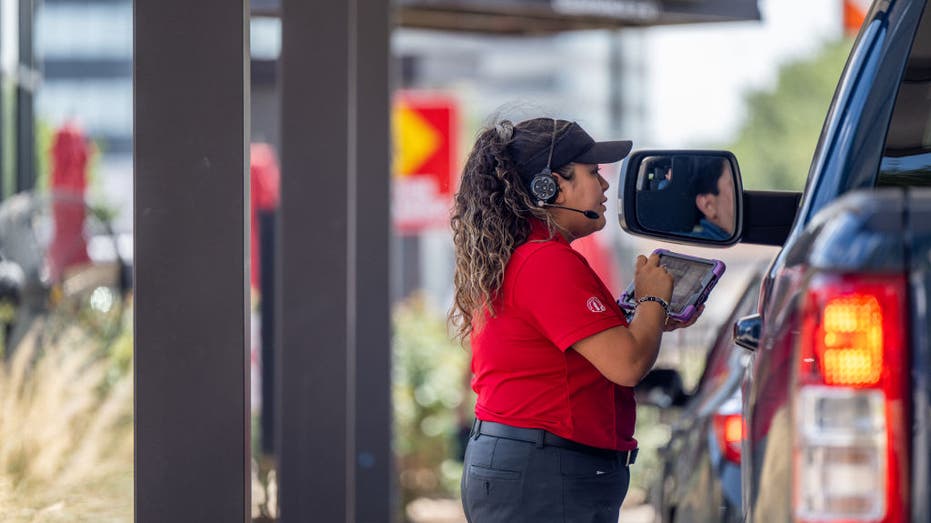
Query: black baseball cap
{"type": "Point", "coordinates": [570, 144]}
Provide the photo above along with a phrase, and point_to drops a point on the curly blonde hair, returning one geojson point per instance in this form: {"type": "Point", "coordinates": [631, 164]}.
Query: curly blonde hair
{"type": "Point", "coordinates": [490, 216]}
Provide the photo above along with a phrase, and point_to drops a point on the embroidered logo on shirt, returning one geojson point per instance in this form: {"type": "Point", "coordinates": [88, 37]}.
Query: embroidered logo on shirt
{"type": "Point", "coordinates": [595, 305]}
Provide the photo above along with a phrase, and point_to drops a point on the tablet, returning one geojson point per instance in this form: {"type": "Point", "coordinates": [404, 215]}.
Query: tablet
{"type": "Point", "coordinates": [693, 279]}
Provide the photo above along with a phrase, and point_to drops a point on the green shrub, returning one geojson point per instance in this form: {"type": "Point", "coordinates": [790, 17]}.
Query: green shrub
{"type": "Point", "coordinates": [430, 395]}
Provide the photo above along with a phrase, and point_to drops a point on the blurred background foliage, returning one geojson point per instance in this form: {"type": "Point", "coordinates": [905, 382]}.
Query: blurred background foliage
{"type": "Point", "coordinates": [778, 137]}
{"type": "Point", "coordinates": [432, 401]}
{"type": "Point", "coordinates": [66, 427]}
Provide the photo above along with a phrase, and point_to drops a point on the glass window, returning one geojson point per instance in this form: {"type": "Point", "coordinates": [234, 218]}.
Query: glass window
{"type": "Point", "coordinates": [100, 106]}
{"type": "Point", "coordinates": [105, 30]}
{"type": "Point", "coordinates": [907, 155]}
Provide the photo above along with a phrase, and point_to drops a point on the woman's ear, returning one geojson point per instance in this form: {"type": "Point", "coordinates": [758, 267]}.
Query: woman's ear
{"type": "Point", "coordinates": [562, 185]}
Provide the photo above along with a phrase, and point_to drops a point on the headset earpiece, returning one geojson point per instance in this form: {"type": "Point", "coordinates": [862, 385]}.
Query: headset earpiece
{"type": "Point", "coordinates": [543, 186]}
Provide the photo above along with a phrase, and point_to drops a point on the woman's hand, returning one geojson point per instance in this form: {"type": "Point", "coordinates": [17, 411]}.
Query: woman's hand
{"type": "Point", "coordinates": [650, 279]}
{"type": "Point", "coordinates": [672, 324]}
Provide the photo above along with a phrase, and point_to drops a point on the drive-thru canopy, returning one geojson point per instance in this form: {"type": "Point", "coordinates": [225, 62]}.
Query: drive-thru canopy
{"type": "Point", "coordinates": [547, 16]}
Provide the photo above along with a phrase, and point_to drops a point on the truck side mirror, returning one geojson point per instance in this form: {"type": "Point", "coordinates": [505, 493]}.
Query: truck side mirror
{"type": "Point", "coordinates": [682, 195]}
{"type": "Point", "coordinates": [747, 331]}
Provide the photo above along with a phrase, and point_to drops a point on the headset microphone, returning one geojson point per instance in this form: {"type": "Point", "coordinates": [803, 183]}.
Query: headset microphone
{"type": "Point", "coordinates": [592, 215]}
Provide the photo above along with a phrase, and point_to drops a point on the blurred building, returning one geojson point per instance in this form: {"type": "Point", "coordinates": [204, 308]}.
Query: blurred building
{"type": "Point", "coordinates": [84, 53]}
{"type": "Point", "coordinates": [18, 82]}
{"type": "Point", "coordinates": [265, 44]}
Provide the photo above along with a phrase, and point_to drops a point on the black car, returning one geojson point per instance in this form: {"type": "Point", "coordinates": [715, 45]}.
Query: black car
{"type": "Point", "coordinates": [700, 465]}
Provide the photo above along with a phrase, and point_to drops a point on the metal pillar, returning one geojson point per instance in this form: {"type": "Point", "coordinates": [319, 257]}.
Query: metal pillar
{"type": "Point", "coordinates": [334, 386]}
{"type": "Point", "coordinates": [268, 237]}
{"type": "Point", "coordinates": [191, 208]}
{"type": "Point", "coordinates": [25, 98]}
{"type": "Point", "coordinates": [371, 315]}
{"type": "Point", "coordinates": [3, 109]}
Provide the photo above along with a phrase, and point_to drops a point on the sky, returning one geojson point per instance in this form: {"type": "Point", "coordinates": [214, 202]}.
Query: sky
{"type": "Point", "coordinates": [7, 35]}
{"type": "Point", "coordinates": [698, 74]}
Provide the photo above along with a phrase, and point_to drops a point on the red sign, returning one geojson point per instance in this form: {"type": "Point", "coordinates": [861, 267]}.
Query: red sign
{"type": "Point", "coordinates": [425, 167]}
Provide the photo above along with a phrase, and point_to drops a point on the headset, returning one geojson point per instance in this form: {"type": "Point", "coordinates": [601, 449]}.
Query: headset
{"type": "Point", "coordinates": [543, 186]}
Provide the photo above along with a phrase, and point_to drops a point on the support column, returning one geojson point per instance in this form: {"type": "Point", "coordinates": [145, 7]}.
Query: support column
{"type": "Point", "coordinates": [374, 464]}
{"type": "Point", "coordinates": [25, 99]}
{"type": "Point", "coordinates": [3, 108]}
{"type": "Point", "coordinates": [334, 386]}
{"type": "Point", "coordinates": [191, 207]}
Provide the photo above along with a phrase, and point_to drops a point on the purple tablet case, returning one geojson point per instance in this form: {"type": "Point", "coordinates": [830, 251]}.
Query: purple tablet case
{"type": "Point", "coordinates": [695, 296]}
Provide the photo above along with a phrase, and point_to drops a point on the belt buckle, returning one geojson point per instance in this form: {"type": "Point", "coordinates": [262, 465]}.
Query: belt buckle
{"type": "Point", "coordinates": [627, 459]}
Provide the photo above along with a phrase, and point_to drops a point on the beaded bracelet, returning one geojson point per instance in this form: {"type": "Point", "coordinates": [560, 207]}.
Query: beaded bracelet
{"type": "Point", "coordinates": [657, 299]}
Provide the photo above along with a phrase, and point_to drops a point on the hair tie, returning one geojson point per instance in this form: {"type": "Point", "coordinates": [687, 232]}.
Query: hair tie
{"type": "Point", "coordinates": [505, 130]}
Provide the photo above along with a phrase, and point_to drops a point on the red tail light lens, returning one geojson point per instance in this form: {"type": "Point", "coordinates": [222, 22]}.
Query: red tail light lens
{"type": "Point", "coordinates": [851, 449]}
{"type": "Point", "coordinates": [849, 342]}
{"type": "Point", "coordinates": [728, 428]}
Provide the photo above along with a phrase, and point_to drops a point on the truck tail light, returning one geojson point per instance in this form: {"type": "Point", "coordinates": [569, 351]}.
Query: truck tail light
{"type": "Point", "coordinates": [728, 429]}
{"type": "Point", "coordinates": [851, 451]}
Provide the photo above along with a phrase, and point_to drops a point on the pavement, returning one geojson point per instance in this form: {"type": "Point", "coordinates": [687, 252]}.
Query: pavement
{"type": "Point", "coordinates": [425, 510]}
{"type": "Point", "coordinates": [637, 514]}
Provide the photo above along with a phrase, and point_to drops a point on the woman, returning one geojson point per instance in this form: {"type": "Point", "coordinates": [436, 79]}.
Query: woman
{"type": "Point", "coordinates": [553, 357]}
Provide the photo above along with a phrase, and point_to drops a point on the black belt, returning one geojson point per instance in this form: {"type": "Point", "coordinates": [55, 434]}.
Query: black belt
{"type": "Point", "coordinates": [544, 438]}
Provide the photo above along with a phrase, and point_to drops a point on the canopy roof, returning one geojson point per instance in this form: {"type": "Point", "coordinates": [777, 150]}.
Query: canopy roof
{"type": "Point", "coordinates": [550, 16]}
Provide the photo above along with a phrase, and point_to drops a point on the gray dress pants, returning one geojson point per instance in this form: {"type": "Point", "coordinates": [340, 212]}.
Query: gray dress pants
{"type": "Point", "coordinates": [505, 480]}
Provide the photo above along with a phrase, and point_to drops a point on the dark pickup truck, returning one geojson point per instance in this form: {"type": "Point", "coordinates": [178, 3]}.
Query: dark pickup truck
{"type": "Point", "coordinates": [837, 396]}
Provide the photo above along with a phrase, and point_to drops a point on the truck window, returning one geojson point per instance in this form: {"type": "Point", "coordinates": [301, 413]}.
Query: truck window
{"type": "Point", "coordinates": [907, 155]}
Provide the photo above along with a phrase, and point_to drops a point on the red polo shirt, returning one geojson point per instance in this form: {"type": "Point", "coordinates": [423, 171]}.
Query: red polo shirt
{"type": "Point", "coordinates": [524, 373]}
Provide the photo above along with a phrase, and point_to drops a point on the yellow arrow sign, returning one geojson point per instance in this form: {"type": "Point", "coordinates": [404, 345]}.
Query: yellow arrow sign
{"type": "Point", "coordinates": [415, 140]}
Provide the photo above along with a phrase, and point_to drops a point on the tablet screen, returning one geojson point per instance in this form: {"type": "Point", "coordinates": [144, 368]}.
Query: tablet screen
{"type": "Point", "coordinates": [690, 277]}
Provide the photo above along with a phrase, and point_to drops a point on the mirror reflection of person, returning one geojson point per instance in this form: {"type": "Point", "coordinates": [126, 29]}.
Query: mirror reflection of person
{"type": "Point", "coordinates": [712, 186]}
{"type": "Point", "coordinates": [667, 179]}
{"type": "Point", "coordinates": [660, 169]}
